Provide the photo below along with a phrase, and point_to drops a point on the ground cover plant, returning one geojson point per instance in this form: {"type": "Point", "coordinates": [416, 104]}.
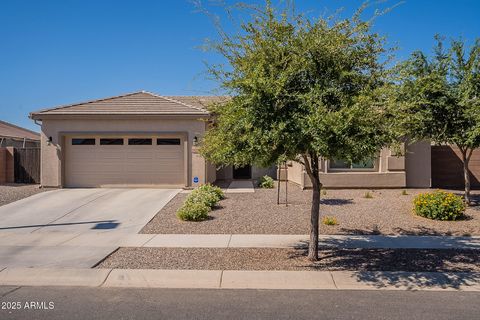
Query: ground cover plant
{"type": "Point", "coordinates": [266, 182]}
{"type": "Point", "coordinates": [329, 221]}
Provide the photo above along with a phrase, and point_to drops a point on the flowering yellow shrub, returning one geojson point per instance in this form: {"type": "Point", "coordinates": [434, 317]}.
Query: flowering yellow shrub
{"type": "Point", "coordinates": [329, 221]}
{"type": "Point", "coordinates": [439, 205]}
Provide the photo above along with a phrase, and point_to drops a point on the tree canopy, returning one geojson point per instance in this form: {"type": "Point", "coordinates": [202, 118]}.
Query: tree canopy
{"type": "Point", "coordinates": [299, 86]}
{"type": "Point", "coordinates": [301, 89]}
{"type": "Point", "coordinates": [438, 98]}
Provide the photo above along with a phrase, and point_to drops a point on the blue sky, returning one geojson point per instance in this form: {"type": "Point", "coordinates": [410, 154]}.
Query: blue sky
{"type": "Point", "coordinates": [57, 52]}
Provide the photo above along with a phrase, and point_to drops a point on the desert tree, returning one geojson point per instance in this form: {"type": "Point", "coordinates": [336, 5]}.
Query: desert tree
{"type": "Point", "coordinates": [302, 89]}
{"type": "Point", "coordinates": [439, 98]}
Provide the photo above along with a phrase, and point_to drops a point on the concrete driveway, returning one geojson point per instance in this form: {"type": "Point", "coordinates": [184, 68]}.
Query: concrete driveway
{"type": "Point", "coordinates": [84, 210]}
{"type": "Point", "coordinates": [32, 229]}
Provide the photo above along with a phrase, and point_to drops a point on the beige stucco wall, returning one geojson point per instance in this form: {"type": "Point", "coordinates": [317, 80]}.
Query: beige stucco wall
{"type": "Point", "coordinates": [3, 165]}
{"type": "Point", "coordinates": [225, 173]}
{"type": "Point", "coordinates": [211, 173]}
{"type": "Point", "coordinates": [418, 164]}
{"type": "Point", "coordinates": [389, 172]}
{"type": "Point", "coordinates": [52, 155]}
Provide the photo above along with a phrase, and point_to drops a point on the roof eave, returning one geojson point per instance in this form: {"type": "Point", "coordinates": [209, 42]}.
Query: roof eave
{"type": "Point", "coordinates": [19, 138]}
{"type": "Point", "coordinates": [42, 116]}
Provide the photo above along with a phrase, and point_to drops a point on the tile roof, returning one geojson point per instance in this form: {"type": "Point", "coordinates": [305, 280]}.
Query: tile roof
{"type": "Point", "coordinates": [137, 103]}
{"type": "Point", "coordinates": [13, 131]}
{"type": "Point", "coordinates": [200, 101]}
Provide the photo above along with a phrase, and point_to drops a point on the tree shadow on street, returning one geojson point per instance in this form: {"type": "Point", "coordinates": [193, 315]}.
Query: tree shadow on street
{"type": "Point", "coordinates": [401, 268]}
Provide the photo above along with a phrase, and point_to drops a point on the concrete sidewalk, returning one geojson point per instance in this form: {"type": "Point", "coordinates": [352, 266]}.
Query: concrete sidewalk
{"type": "Point", "coordinates": [85, 250]}
{"type": "Point", "coordinates": [235, 279]}
{"type": "Point", "coordinates": [105, 239]}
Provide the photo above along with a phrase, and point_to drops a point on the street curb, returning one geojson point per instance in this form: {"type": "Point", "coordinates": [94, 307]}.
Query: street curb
{"type": "Point", "coordinates": [242, 279]}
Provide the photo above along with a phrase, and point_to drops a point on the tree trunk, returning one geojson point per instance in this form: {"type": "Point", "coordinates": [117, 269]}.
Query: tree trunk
{"type": "Point", "coordinates": [314, 221]}
{"type": "Point", "coordinates": [311, 166]}
{"type": "Point", "coordinates": [466, 174]}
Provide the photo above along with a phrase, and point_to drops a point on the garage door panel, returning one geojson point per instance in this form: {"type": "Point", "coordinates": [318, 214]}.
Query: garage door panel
{"type": "Point", "coordinates": [98, 165]}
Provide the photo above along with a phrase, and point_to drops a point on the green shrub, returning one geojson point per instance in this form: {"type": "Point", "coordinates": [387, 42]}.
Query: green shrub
{"type": "Point", "coordinates": [212, 189]}
{"type": "Point", "coordinates": [199, 202]}
{"type": "Point", "coordinates": [439, 205]}
{"type": "Point", "coordinates": [210, 199]}
{"type": "Point", "coordinates": [266, 182]}
{"type": "Point", "coordinates": [193, 211]}
{"type": "Point", "coordinates": [329, 221]}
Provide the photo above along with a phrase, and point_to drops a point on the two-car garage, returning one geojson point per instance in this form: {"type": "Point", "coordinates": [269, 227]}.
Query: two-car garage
{"type": "Point", "coordinates": [139, 139]}
{"type": "Point", "coordinates": [113, 160]}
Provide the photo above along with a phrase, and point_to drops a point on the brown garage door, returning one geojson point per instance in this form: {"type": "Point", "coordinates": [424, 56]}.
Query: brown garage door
{"type": "Point", "coordinates": [447, 168]}
{"type": "Point", "coordinates": [123, 160]}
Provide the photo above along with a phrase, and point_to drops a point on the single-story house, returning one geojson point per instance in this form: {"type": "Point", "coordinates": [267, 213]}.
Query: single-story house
{"type": "Point", "coordinates": [411, 168]}
{"type": "Point", "coordinates": [144, 139]}
{"type": "Point", "coordinates": [136, 139]}
{"type": "Point", "coordinates": [17, 137]}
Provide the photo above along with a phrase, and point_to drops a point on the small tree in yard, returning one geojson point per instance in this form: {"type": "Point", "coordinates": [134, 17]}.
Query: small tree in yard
{"type": "Point", "coordinates": [440, 99]}
{"type": "Point", "coordinates": [302, 89]}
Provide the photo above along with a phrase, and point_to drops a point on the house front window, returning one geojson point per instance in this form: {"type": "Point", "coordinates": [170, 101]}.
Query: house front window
{"type": "Point", "coordinates": [344, 165]}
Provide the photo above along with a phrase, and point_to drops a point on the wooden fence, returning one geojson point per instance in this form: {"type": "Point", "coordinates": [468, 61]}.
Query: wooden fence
{"type": "Point", "coordinates": [27, 165]}
{"type": "Point", "coordinates": [447, 168]}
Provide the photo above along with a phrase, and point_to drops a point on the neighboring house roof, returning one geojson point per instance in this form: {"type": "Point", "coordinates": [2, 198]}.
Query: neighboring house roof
{"type": "Point", "coordinates": [137, 103]}
{"type": "Point", "coordinates": [12, 131]}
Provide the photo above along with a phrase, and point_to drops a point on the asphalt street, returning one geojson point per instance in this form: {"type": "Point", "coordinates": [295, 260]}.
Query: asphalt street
{"type": "Point", "coordinates": [107, 303]}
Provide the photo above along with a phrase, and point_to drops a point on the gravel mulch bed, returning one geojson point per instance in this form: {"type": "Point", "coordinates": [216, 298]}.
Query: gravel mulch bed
{"type": "Point", "coordinates": [13, 192]}
{"type": "Point", "coordinates": [388, 212]}
{"type": "Point", "coordinates": [294, 259]}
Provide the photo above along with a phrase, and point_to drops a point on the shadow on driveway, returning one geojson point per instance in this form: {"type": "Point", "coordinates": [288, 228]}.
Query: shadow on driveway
{"type": "Point", "coordinates": [100, 224]}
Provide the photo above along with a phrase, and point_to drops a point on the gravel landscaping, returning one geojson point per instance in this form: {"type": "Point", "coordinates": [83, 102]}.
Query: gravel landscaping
{"type": "Point", "coordinates": [13, 192]}
{"type": "Point", "coordinates": [388, 212]}
{"type": "Point", "coordinates": [294, 259]}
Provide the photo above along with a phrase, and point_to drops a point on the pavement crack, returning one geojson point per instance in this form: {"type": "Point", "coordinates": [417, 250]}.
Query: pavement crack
{"type": "Point", "coordinates": [150, 239]}
{"type": "Point", "coordinates": [229, 240]}
{"type": "Point", "coordinates": [105, 280]}
{"type": "Point", "coordinates": [65, 241]}
{"type": "Point", "coordinates": [9, 292]}
{"type": "Point", "coordinates": [333, 279]}
{"type": "Point", "coordinates": [71, 211]}
{"type": "Point", "coordinates": [221, 279]}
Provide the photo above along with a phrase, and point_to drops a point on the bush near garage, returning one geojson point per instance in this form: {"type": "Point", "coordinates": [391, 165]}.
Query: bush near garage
{"type": "Point", "coordinates": [199, 202]}
{"type": "Point", "coordinates": [212, 189]}
{"type": "Point", "coordinates": [191, 211]}
{"type": "Point", "coordinates": [439, 205]}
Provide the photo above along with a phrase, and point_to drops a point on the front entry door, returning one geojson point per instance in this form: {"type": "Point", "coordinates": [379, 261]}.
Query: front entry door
{"type": "Point", "coordinates": [242, 172]}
